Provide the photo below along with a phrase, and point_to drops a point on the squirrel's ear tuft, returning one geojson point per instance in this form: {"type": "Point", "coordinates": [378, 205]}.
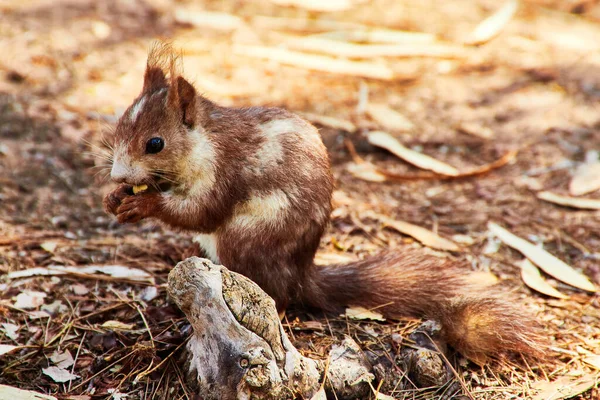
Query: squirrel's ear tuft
{"type": "Point", "coordinates": [184, 98]}
{"type": "Point", "coordinates": [154, 78]}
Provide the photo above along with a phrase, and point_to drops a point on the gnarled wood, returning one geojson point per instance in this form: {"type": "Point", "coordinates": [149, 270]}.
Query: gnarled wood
{"type": "Point", "coordinates": [239, 349]}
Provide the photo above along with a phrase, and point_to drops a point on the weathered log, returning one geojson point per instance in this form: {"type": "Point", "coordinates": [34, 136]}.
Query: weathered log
{"type": "Point", "coordinates": [239, 349]}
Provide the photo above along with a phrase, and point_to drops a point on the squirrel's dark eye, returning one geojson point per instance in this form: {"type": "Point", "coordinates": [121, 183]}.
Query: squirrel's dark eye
{"type": "Point", "coordinates": [154, 145]}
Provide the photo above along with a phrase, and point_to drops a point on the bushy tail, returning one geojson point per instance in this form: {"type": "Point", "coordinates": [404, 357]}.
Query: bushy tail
{"type": "Point", "coordinates": [478, 322]}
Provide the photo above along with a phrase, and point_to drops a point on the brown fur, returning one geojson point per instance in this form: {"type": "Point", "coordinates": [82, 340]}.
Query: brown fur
{"type": "Point", "coordinates": [258, 181]}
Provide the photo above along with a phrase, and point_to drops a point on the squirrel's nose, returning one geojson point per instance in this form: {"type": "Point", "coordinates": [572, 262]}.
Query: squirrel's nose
{"type": "Point", "coordinates": [120, 172]}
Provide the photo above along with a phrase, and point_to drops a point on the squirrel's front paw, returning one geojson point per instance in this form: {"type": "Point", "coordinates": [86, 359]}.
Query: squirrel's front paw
{"type": "Point", "coordinates": [137, 207]}
{"type": "Point", "coordinates": [113, 200]}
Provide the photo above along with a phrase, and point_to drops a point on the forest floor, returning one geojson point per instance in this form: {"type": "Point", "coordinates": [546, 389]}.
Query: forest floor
{"type": "Point", "coordinates": [68, 69]}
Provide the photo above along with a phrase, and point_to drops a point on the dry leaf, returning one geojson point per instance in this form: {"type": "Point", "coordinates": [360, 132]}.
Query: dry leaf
{"type": "Point", "coordinates": [593, 361]}
{"type": "Point", "coordinates": [317, 5]}
{"type": "Point", "coordinates": [59, 374]}
{"type": "Point", "coordinates": [116, 395]}
{"type": "Point", "coordinates": [303, 25]}
{"type": "Point", "coordinates": [10, 330]}
{"type": "Point", "coordinates": [360, 313]}
{"type": "Point", "coordinates": [491, 26]}
{"type": "Point", "coordinates": [482, 278]}
{"type": "Point", "coordinates": [388, 118]}
{"type": "Point", "coordinates": [90, 271]}
{"type": "Point", "coordinates": [79, 289]}
{"type": "Point", "coordinates": [62, 360]}
{"type": "Point", "coordinates": [340, 199]}
{"type": "Point", "coordinates": [29, 299]}
{"type": "Point", "coordinates": [575, 202]}
{"type": "Point", "coordinates": [6, 348]}
{"type": "Point", "coordinates": [423, 235]}
{"type": "Point", "coordinates": [380, 36]}
{"type": "Point", "coordinates": [117, 325]}
{"type": "Point", "coordinates": [331, 122]}
{"type": "Point", "coordinates": [54, 308]}
{"type": "Point", "coordinates": [13, 393]}
{"type": "Point", "coordinates": [475, 129]}
{"type": "Point", "coordinates": [318, 63]}
{"type": "Point", "coordinates": [586, 179]}
{"type": "Point", "coordinates": [38, 314]}
{"type": "Point", "coordinates": [365, 171]}
{"type": "Point", "coordinates": [333, 258]}
{"type": "Point", "coordinates": [369, 172]}
{"type": "Point", "coordinates": [540, 257]}
{"type": "Point", "coordinates": [310, 326]}
{"type": "Point", "coordinates": [563, 388]}
{"type": "Point", "coordinates": [149, 293]}
{"type": "Point", "coordinates": [207, 19]}
{"type": "Point", "coordinates": [532, 278]}
{"type": "Point", "coordinates": [388, 142]}
{"type": "Point", "coordinates": [463, 239]}
{"type": "Point", "coordinates": [340, 48]}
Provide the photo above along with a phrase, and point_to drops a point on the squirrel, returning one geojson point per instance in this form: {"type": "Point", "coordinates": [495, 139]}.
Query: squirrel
{"type": "Point", "coordinates": [255, 185]}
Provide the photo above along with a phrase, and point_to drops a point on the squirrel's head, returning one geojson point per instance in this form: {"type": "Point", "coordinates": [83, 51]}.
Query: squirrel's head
{"type": "Point", "coordinates": [155, 136]}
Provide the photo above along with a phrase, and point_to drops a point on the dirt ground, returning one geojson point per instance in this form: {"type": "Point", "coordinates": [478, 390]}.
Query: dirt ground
{"type": "Point", "coordinates": [68, 69]}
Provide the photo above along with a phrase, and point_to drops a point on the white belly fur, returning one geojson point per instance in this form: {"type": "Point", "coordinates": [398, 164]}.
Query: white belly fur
{"type": "Point", "coordinates": [208, 243]}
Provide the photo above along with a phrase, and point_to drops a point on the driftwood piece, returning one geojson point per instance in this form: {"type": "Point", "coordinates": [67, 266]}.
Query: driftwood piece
{"type": "Point", "coordinates": [239, 349]}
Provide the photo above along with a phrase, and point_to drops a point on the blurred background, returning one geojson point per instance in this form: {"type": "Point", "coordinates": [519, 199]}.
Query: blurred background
{"type": "Point", "coordinates": [471, 79]}
{"type": "Point", "coordinates": [506, 87]}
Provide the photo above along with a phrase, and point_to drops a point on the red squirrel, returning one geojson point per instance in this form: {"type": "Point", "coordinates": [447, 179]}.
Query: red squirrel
{"type": "Point", "coordinates": [255, 184]}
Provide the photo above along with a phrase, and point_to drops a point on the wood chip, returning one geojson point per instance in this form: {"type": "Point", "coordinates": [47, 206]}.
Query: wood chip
{"type": "Point", "coordinates": [540, 257]}
{"type": "Point", "coordinates": [390, 143]}
{"type": "Point", "coordinates": [388, 118]}
{"type": "Point", "coordinates": [574, 202]}
{"type": "Point", "coordinates": [361, 313]}
{"type": "Point", "coordinates": [340, 48]}
{"type": "Point", "coordinates": [425, 236]}
{"type": "Point", "coordinates": [330, 122]}
{"type": "Point", "coordinates": [493, 25]}
{"type": "Point", "coordinates": [586, 179]}
{"type": "Point", "coordinates": [13, 393]}
{"type": "Point", "coordinates": [532, 278]}
{"type": "Point", "coordinates": [318, 63]}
